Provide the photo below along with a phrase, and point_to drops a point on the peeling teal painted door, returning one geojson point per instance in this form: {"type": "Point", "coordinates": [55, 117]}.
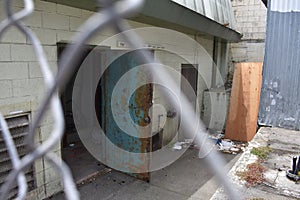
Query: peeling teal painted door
{"type": "Point", "coordinates": [128, 149]}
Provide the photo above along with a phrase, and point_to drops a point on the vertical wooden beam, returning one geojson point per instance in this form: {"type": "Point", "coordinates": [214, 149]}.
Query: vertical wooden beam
{"type": "Point", "coordinates": [244, 102]}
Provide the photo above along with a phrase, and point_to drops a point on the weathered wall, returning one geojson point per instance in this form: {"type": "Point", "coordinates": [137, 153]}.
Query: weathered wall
{"type": "Point", "coordinates": [21, 82]}
{"type": "Point", "coordinates": [279, 105]}
{"type": "Point", "coordinates": [250, 18]}
{"type": "Point", "coordinates": [201, 56]}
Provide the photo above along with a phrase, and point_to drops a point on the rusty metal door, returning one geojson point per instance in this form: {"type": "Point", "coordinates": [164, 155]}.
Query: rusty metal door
{"type": "Point", "coordinates": [135, 97]}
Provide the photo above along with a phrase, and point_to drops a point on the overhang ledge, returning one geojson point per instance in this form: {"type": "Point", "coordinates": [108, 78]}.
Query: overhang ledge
{"type": "Point", "coordinates": [168, 14]}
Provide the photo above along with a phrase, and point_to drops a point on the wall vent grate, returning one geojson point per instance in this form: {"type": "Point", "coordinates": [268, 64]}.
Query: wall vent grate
{"type": "Point", "coordinates": [18, 126]}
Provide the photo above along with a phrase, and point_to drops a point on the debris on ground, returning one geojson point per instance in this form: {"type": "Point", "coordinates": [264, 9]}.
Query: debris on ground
{"type": "Point", "coordinates": [90, 178]}
{"type": "Point", "coordinates": [253, 175]}
{"type": "Point", "coordinates": [232, 147]}
{"type": "Point", "coordinates": [218, 142]}
{"type": "Point", "coordinates": [177, 146]}
{"type": "Point", "coordinates": [180, 145]}
{"type": "Point", "coordinates": [229, 146]}
{"type": "Point", "coordinates": [275, 149]}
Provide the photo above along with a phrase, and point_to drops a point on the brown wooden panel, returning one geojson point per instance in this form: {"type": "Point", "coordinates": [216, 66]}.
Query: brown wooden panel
{"type": "Point", "coordinates": [244, 102]}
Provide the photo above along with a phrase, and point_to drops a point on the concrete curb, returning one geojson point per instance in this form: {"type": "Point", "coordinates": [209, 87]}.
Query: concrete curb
{"type": "Point", "coordinates": [276, 186]}
{"type": "Point", "coordinates": [245, 159]}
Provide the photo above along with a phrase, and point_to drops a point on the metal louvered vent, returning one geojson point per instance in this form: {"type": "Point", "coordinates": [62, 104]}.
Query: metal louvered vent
{"type": "Point", "coordinates": [18, 126]}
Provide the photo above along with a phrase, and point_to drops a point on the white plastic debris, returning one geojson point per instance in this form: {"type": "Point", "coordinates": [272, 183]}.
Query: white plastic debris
{"type": "Point", "coordinates": [225, 145]}
{"type": "Point", "coordinates": [234, 149]}
{"type": "Point", "coordinates": [180, 145]}
{"type": "Point", "coordinates": [177, 146]}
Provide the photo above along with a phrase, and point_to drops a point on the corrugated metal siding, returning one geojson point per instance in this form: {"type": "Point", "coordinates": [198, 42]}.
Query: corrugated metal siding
{"type": "Point", "coordinates": [217, 10]}
{"type": "Point", "coordinates": [280, 105]}
{"type": "Point", "coordinates": [285, 5]}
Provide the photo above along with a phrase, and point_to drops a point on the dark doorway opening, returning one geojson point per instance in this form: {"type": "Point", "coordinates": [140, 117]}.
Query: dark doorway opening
{"type": "Point", "coordinates": [190, 73]}
{"type": "Point", "coordinates": [116, 63]}
{"type": "Point", "coordinates": [189, 81]}
{"type": "Point", "coordinates": [74, 153]}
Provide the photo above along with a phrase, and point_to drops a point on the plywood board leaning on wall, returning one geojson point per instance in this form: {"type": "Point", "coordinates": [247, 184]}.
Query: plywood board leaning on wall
{"type": "Point", "coordinates": [244, 102]}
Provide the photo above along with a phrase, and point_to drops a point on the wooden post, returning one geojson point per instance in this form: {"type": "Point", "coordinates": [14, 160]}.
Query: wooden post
{"type": "Point", "coordinates": [244, 102]}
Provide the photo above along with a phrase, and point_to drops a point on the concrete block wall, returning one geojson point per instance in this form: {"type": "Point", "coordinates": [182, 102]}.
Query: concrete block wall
{"type": "Point", "coordinates": [250, 18]}
{"type": "Point", "coordinates": [200, 55]}
{"type": "Point", "coordinates": [21, 82]}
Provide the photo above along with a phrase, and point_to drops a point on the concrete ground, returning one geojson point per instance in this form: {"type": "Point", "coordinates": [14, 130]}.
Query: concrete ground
{"type": "Point", "coordinates": [284, 144]}
{"type": "Point", "coordinates": [187, 178]}
{"type": "Point", "coordinates": [82, 163]}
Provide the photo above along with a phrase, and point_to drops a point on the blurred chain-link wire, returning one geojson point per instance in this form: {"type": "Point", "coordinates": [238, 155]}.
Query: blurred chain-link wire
{"type": "Point", "coordinates": [112, 14]}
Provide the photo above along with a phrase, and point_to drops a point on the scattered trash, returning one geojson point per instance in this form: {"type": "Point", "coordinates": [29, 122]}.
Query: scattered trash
{"type": "Point", "coordinates": [220, 135]}
{"type": "Point", "coordinates": [231, 147]}
{"type": "Point", "coordinates": [177, 146]}
{"type": "Point", "coordinates": [180, 145]}
{"type": "Point", "coordinates": [218, 142]}
{"type": "Point", "coordinates": [71, 145]}
{"type": "Point", "coordinates": [234, 149]}
{"type": "Point", "coordinates": [225, 145]}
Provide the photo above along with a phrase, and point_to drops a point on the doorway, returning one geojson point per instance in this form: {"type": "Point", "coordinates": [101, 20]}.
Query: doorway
{"type": "Point", "coordinates": [74, 153]}
{"type": "Point", "coordinates": [125, 147]}
{"type": "Point", "coordinates": [190, 73]}
{"type": "Point", "coordinates": [189, 81]}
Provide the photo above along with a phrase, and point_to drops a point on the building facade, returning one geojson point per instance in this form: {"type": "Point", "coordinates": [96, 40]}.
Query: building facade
{"type": "Point", "coordinates": [21, 82]}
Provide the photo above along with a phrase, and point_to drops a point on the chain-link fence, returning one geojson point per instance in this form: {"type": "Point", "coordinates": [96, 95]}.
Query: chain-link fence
{"type": "Point", "coordinates": [112, 14]}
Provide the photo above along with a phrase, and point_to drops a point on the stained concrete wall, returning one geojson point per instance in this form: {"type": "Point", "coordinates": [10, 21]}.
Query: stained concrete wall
{"type": "Point", "coordinates": [200, 56]}
{"type": "Point", "coordinates": [21, 82]}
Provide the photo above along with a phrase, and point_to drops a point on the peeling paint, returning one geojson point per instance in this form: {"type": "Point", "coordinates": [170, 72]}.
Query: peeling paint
{"type": "Point", "coordinates": [137, 104]}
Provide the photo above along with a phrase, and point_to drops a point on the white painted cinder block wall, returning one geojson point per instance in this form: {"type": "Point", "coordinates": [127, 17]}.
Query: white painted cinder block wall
{"type": "Point", "coordinates": [250, 18]}
{"type": "Point", "coordinates": [21, 83]}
